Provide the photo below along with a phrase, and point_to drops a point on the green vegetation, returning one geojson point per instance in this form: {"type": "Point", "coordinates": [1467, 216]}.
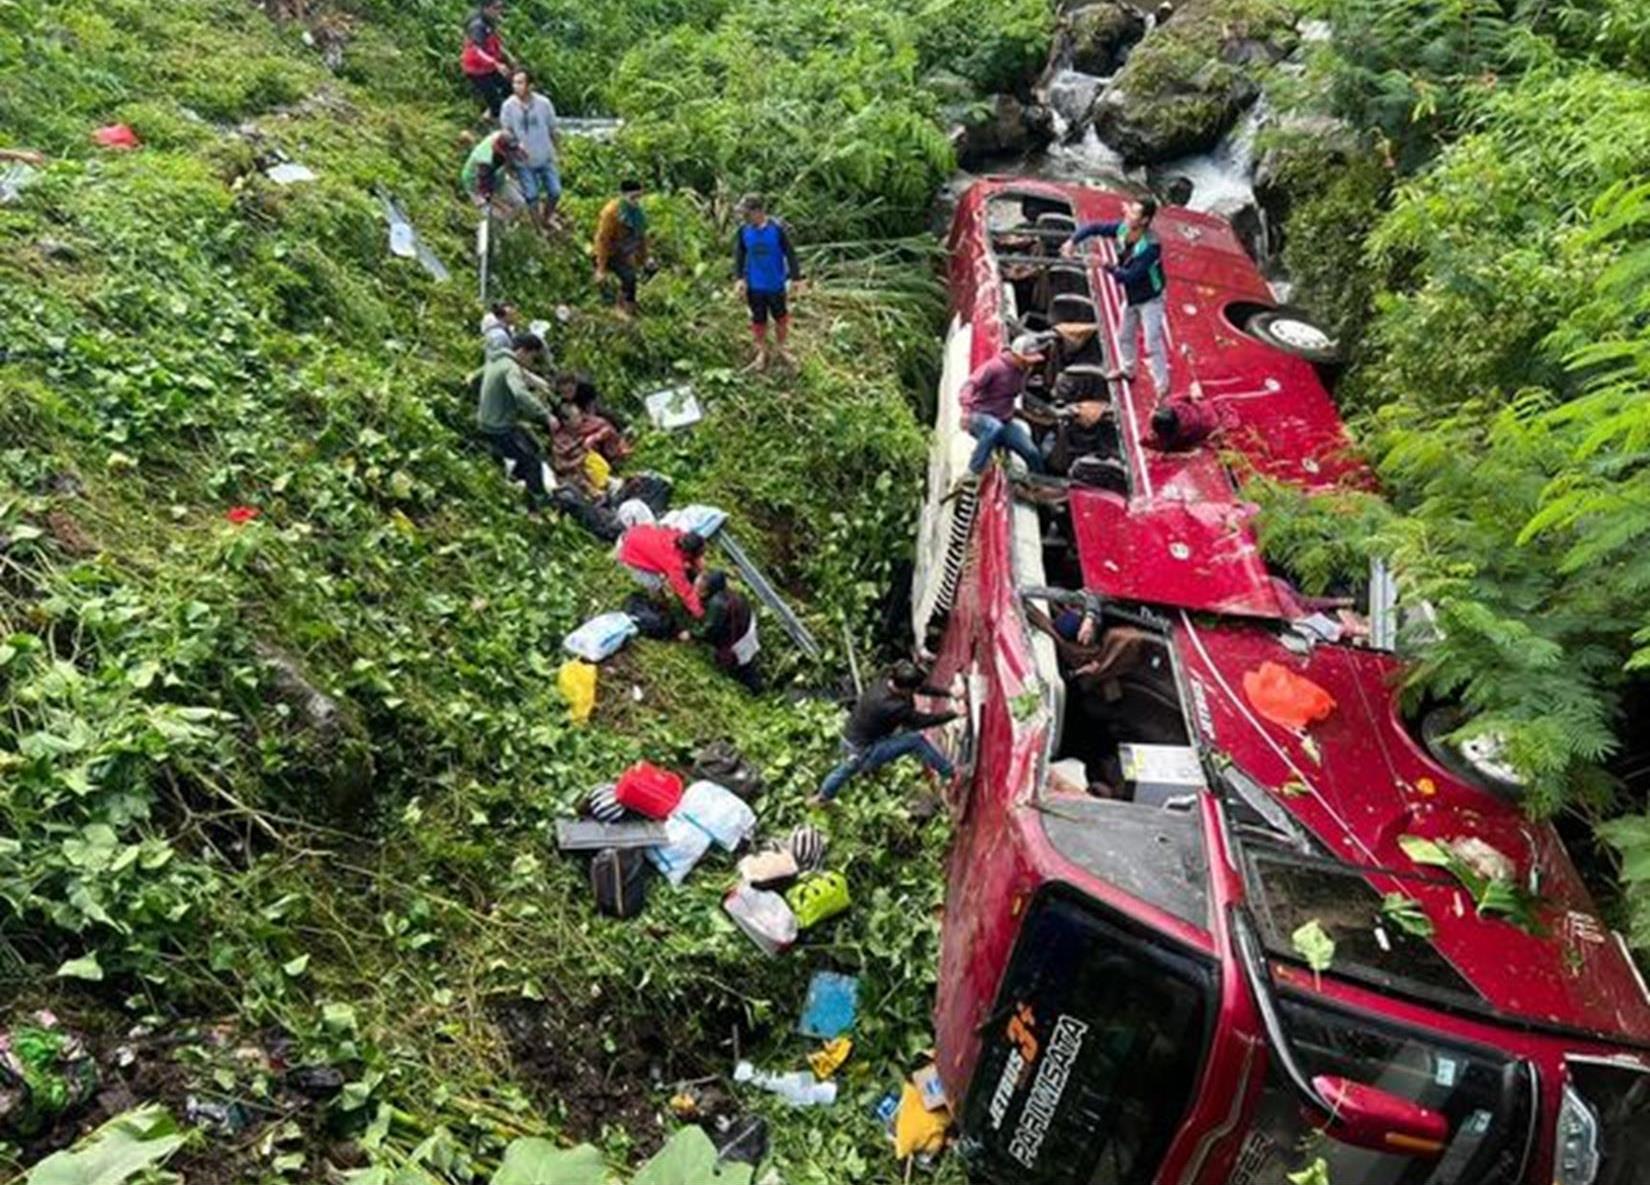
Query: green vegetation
{"type": "Point", "coordinates": [1492, 235]}
{"type": "Point", "coordinates": [180, 838]}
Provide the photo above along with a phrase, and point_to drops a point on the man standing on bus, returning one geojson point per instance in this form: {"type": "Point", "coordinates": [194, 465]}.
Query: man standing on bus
{"type": "Point", "coordinates": [1139, 269]}
{"type": "Point", "coordinates": [988, 404]}
{"type": "Point", "coordinates": [885, 726]}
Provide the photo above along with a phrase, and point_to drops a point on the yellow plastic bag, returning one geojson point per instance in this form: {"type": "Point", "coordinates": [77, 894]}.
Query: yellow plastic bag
{"type": "Point", "coordinates": [577, 683]}
{"type": "Point", "coordinates": [828, 1058]}
{"type": "Point", "coordinates": [916, 1128]}
{"type": "Point", "coordinates": [597, 470]}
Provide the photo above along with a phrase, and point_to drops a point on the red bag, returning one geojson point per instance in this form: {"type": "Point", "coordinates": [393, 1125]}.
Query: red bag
{"type": "Point", "coordinates": [648, 790]}
{"type": "Point", "coordinates": [117, 136]}
{"type": "Point", "coordinates": [1285, 698]}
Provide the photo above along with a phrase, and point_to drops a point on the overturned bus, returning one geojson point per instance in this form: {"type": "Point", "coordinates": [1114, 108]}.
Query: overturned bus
{"type": "Point", "coordinates": [1219, 911]}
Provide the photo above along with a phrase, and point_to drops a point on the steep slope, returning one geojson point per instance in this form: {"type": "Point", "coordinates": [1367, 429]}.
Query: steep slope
{"type": "Point", "coordinates": [182, 836]}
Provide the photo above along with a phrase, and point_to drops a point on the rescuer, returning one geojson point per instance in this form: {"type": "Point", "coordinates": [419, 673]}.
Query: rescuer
{"type": "Point", "coordinates": [885, 726]}
{"type": "Point", "coordinates": [1139, 269]}
{"type": "Point", "coordinates": [764, 267]}
{"type": "Point", "coordinates": [989, 400]}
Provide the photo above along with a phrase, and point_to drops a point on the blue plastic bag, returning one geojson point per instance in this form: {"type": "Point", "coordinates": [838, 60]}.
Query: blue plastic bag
{"type": "Point", "coordinates": [832, 1004]}
{"type": "Point", "coordinates": [600, 637]}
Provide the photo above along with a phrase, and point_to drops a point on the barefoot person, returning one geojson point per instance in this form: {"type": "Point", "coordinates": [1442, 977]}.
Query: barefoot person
{"type": "Point", "coordinates": [621, 244]}
{"type": "Point", "coordinates": [885, 726]}
{"type": "Point", "coordinates": [764, 267]}
{"type": "Point", "coordinates": [531, 118]}
{"type": "Point", "coordinates": [1139, 269]}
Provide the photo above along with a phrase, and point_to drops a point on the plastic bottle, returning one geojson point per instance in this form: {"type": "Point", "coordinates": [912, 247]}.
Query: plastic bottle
{"type": "Point", "coordinates": [799, 1088]}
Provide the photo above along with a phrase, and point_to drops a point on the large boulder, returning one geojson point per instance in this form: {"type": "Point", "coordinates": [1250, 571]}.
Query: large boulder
{"type": "Point", "coordinates": [333, 754]}
{"type": "Point", "coordinates": [1303, 151]}
{"type": "Point", "coordinates": [1097, 38]}
{"type": "Point", "coordinates": [1186, 84]}
{"type": "Point", "coordinates": [999, 127]}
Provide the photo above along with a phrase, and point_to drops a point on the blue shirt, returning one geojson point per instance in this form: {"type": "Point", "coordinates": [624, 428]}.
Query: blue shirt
{"type": "Point", "coordinates": [764, 258]}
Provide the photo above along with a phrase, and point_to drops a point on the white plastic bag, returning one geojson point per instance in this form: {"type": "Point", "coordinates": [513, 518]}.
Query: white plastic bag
{"type": "Point", "coordinates": [763, 916]}
{"type": "Point", "coordinates": [718, 812]}
{"type": "Point", "coordinates": [703, 521]}
{"type": "Point", "coordinates": [600, 637]}
{"type": "Point", "coordinates": [686, 844]}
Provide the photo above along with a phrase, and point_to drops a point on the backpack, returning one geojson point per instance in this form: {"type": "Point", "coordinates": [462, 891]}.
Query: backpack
{"type": "Point", "coordinates": [651, 621]}
{"type": "Point", "coordinates": [618, 878]}
{"type": "Point", "coordinates": [723, 764]}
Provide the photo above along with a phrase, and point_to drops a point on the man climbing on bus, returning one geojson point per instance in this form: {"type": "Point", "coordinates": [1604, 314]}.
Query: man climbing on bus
{"type": "Point", "coordinates": [989, 400]}
{"type": "Point", "coordinates": [764, 266]}
{"type": "Point", "coordinates": [885, 726]}
{"type": "Point", "coordinates": [1139, 269]}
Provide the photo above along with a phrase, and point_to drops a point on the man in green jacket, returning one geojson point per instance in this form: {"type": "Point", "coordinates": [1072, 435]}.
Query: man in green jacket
{"type": "Point", "coordinates": [486, 173]}
{"type": "Point", "coordinates": [507, 400]}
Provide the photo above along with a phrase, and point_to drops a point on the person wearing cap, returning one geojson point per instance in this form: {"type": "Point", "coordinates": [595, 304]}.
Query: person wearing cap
{"type": "Point", "coordinates": [506, 399]}
{"type": "Point", "coordinates": [1139, 269]}
{"type": "Point", "coordinates": [484, 61]}
{"type": "Point", "coordinates": [989, 399]}
{"type": "Point", "coordinates": [486, 174]}
{"type": "Point", "coordinates": [764, 266]}
{"type": "Point", "coordinates": [729, 627]}
{"type": "Point", "coordinates": [621, 244]}
{"type": "Point", "coordinates": [885, 726]}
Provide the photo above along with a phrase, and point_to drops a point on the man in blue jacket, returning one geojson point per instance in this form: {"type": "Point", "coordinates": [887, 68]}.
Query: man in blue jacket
{"type": "Point", "coordinates": [764, 265]}
{"type": "Point", "coordinates": [1139, 269]}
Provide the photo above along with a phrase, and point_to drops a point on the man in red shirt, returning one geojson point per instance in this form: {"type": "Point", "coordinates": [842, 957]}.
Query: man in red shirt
{"type": "Point", "coordinates": [1182, 424]}
{"type": "Point", "coordinates": [485, 63]}
{"type": "Point", "coordinates": [659, 555]}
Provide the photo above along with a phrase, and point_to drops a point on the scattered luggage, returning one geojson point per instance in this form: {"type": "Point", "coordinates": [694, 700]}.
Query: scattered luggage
{"type": "Point", "coordinates": [593, 835]}
{"type": "Point", "coordinates": [817, 897]}
{"type": "Point", "coordinates": [719, 813]}
{"type": "Point", "coordinates": [831, 1006]}
{"type": "Point", "coordinates": [618, 878]}
{"type": "Point", "coordinates": [763, 917]}
{"type": "Point", "coordinates": [723, 764]}
{"type": "Point", "coordinates": [601, 637]}
{"type": "Point", "coordinates": [648, 790]}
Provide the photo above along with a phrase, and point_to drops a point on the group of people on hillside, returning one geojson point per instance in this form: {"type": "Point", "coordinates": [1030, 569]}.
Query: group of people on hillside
{"type": "Point", "coordinates": [516, 167]}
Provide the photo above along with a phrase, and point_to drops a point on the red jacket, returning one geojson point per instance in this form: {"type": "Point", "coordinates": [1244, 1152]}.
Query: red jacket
{"type": "Point", "coordinates": [483, 51]}
{"type": "Point", "coordinates": [653, 549]}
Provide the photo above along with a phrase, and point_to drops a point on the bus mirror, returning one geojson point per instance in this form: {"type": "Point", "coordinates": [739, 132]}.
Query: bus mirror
{"type": "Point", "coordinates": [1368, 1117]}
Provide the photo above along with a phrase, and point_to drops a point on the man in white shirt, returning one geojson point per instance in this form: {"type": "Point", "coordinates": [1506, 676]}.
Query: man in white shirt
{"type": "Point", "coordinates": [531, 119]}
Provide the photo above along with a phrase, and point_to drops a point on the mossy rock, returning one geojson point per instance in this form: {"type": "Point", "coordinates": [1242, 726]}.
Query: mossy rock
{"type": "Point", "coordinates": [1096, 39]}
{"type": "Point", "coordinates": [1185, 84]}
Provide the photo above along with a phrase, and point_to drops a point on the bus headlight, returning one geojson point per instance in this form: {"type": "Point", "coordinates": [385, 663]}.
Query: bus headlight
{"type": "Point", "coordinates": [1577, 1159]}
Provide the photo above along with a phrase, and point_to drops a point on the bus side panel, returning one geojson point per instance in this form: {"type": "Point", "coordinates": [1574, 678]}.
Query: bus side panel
{"type": "Point", "coordinates": [990, 874]}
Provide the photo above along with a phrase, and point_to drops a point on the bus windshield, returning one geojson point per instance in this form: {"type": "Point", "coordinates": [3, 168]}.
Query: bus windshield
{"type": "Point", "coordinates": [1090, 1062]}
{"type": "Point", "coordinates": [1485, 1096]}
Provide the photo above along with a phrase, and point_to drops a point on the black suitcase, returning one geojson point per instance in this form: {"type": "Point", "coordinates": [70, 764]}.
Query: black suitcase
{"type": "Point", "coordinates": [618, 878]}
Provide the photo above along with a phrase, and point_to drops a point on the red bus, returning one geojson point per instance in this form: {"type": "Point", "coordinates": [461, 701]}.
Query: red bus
{"type": "Point", "coordinates": [1151, 856]}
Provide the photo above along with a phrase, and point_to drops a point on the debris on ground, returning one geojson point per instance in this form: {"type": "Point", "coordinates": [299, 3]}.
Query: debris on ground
{"type": "Point", "coordinates": [601, 637]}
{"type": "Point", "coordinates": [917, 1130]}
{"type": "Point", "coordinates": [290, 173]}
{"type": "Point", "coordinates": [14, 179]}
{"type": "Point", "coordinates": [405, 242]}
{"type": "Point", "coordinates": [649, 790]}
{"type": "Point", "coordinates": [828, 1058]}
{"type": "Point", "coordinates": [722, 763]}
{"type": "Point", "coordinates": [116, 137]}
{"type": "Point", "coordinates": [797, 1088]}
{"type": "Point", "coordinates": [673, 408]}
{"type": "Point", "coordinates": [831, 1005]}
{"type": "Point", "coordinates": [45, 1071]}
{"type": "Point", "coordinates": [768, 869]}
{"type": "Point", "coordinates": [928, 1084]}
{"type": "Point", "coordinates": [618, 881]}
{"type": "Point", "coordinates": [127, 1145]}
